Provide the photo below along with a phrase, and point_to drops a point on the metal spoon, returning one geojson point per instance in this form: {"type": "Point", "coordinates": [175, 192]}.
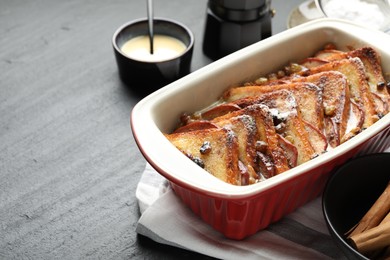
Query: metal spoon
{"type": "Point", "coordinates": [150, 24]}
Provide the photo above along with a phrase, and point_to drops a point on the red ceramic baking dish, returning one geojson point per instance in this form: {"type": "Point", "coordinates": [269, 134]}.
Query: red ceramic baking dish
{"type": "Point", "coordinates": [239, 211]}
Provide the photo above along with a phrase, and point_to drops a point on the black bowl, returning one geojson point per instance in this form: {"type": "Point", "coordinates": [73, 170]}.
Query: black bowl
{"type": "Point", "coordinates": [145, 77]}
{"type": "Point", "coordinates": [350, 193]}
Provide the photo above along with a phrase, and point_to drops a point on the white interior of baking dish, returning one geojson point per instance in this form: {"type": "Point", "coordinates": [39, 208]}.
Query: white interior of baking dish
{"type": "Point", "coordinates": [159, 112]}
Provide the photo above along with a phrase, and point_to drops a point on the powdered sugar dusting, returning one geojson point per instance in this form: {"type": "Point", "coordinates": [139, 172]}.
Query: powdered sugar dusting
{"type": "Point", "coordinates": [359, 11]}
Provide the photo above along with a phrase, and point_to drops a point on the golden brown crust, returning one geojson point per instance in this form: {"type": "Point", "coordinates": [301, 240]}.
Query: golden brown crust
{"type": "Point", "coordinates": [221, 160]}
{"type": "Point", "coordinates": [308, 98]}
{"type": "Point", "coordinates": [353, 69]}
{"type": "Point", "coordinates": [373, 69]}
{"type": "Point", "coordinates": [336, 102]}
{"type": "Point", "coordinates": [244, 128]}
{"type": "Point", "coordinates": [285, 109]}
{"type": "Point", "coordinates": [265, 132]}
{"type": "Point", "coordinates": [286, 118]}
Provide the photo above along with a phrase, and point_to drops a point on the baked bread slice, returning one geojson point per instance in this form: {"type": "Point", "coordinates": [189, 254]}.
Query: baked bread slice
{"type": "Point", "coordinates": [263, 153]}
{"type": "Point", "coordinates": [373, 69]}
{"type": "Point", "coordinates": [287, 120]}
{"type": "Point", "coordinates": [307, 96]}
{"type": "Point", "coordinates": [334, 112]}
{"type": "Point", "coordinates": [244, 128]}
{"type": "Point", "coordinates": [213, 149]}
{"type": "Point", "coordinates": [253, 147]}
{"type": "Point", "coordinates": [336, 105]}
{"type": "Point", "coordinates": [344, 115]}
{"type": "Point", "coordinates": [353, 69]}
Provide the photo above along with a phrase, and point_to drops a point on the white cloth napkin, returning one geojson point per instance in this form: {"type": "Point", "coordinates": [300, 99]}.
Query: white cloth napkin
{"type": "Point", "coordinates": [165, 219]}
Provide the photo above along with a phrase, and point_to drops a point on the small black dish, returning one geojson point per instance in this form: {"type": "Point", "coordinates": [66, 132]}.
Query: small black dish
{"type": "Point", "coordinates": [144, 77]}
{"type": "Point", "coordinates": [350, 193]}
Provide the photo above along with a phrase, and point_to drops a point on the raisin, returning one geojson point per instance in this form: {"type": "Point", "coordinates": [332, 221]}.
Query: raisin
{"type": "Point", "coordinates": [205, 148]}
{"type": "Point", "coordinates": [280, 128]}
{"type": "Point", "coordinates": [198, 161]}
{"type": "Point", "coordinates": [261, 146]}
{"type": "Point", "coordinates": [381, 85]}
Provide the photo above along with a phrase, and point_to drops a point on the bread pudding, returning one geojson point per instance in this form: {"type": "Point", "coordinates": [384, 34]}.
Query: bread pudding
{"type": "Point", "coordinates": [278, 121]}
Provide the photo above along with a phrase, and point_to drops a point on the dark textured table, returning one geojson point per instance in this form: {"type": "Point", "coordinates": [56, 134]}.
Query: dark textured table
{"type": "Point", "coordinates": [69, 165]}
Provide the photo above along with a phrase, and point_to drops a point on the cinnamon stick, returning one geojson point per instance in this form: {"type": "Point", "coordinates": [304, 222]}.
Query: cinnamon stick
{"type": "Point", "coordinates": [386, 254]}
{"type": "Point", "coordinates": [372, 239]}
{"type": "Point", "coordinates": [386, 219]}
{"type": "Point", "coordinates": [375, 214]}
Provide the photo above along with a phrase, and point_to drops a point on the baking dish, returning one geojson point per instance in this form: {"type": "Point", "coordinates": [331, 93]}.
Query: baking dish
{"type": "Point", "coordinates": [239, 211]}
